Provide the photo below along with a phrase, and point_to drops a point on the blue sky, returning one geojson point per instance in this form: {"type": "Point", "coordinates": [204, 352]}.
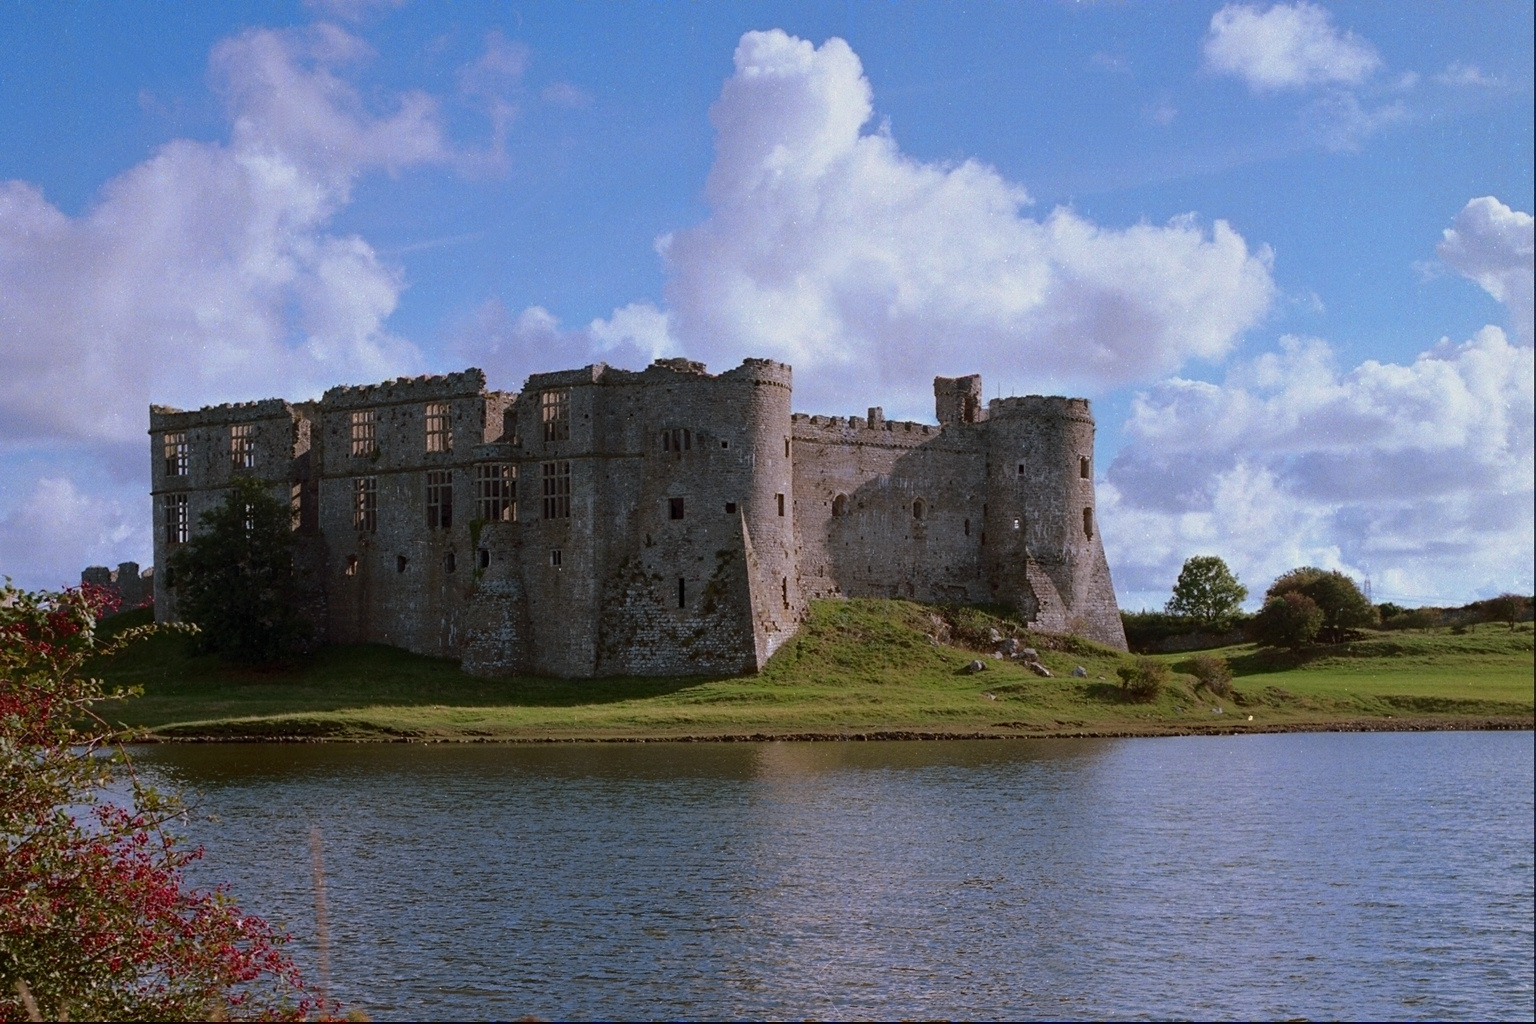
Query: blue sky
{"type": "Point", "coordinates": [1226, 224]}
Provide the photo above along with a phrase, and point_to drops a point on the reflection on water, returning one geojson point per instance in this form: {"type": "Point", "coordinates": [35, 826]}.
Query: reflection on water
{"type": "Point", "coordinates": [1323, 875]}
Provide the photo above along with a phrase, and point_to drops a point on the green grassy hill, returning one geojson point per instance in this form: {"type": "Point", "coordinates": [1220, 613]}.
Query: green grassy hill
{"type": "Point", "coordinates": [861, 667]}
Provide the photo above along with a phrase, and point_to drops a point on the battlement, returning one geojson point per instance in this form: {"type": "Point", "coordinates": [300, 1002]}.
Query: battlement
{"type": "Point", "coordinates": [872, 429]}
{"type": "Point", "coordinates": [468, 382]}
{"type": "Point", "coordinates": [164, 417]}
{"type": "Point", "coordinates": [1041, 406]}
{"type": "Point", "coordinates": [592, 374]}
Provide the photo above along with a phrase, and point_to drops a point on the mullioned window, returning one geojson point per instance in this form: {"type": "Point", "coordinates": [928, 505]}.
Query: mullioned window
{"type": "Point", "coordinates": [555, 412]}
{"type": "Point", "coordinates": [557, 489]}
{"type": "Point", "coordinates": [439, 499]}
{"type": "Point", "coordinates": [242, 446]}
{"type": "Point", "coordinates": [496, 492]}
{"type": "Point", "coordinates": [365, 504]}
{"type": "Point", "coordinates": [365, 439]}
{"type": "Point", "coordinates": [178, 454]}
{"type": "Point", "coordinates": [439, 427]}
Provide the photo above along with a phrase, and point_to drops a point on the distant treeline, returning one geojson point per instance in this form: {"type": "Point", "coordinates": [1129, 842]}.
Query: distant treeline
{"type": "Point", "coordinates": [1149, 632]}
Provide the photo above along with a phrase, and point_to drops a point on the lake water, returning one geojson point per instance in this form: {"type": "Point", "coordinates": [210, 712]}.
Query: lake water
{"type": "Point", "coordinates": [1306, 875]}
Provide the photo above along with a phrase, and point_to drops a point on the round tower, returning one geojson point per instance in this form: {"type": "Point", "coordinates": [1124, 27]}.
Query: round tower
{"type": "Point", "coordinates": [1046, 552]}
{"type": "Point", "coordinates": [769, 508]}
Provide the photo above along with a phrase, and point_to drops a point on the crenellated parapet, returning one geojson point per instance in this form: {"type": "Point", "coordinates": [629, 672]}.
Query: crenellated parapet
{"type": "Point", "coordinates": [405, 389]}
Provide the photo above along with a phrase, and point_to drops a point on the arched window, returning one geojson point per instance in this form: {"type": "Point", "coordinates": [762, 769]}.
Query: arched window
{"type": "Point", "coordinates": [677, 439]}
{"type": "Point", "coordinates": [840, 505]}
{"type": "Point", "coordinates": [1088, 523]}
{"type": "Point", "coordinates": [919, 508]}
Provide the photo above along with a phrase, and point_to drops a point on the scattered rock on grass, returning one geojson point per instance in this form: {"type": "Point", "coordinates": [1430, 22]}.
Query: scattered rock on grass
{"type": "Point", "coordinates": [1080, 672]}
{"type": "Point", "coordinates": [976, 666]}
{"type": "Point", "coordinates": [1040, 670]}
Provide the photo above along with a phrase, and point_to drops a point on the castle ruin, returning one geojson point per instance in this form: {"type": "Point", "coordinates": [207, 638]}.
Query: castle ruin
{"type": "Point", "coordinates": [659, 522]}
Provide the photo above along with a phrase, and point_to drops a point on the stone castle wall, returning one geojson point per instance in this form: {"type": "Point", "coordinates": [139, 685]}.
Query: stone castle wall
{"type": "Point", "coordinates": [670, 521]}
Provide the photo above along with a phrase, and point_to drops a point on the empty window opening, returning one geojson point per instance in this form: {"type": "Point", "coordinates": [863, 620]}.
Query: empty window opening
{"type": "Point", "coordinates": [919, 509]}
{"type": "Point", "coordinates": [439, 499]}
{"type": "Point", "coordinates": [675, 508]}
{"type": "Point", "coordinates": [730, 508]}
{"type": "Point", "coordinates": [784, 589]}
{"type": "Point", "coordinates": [178, 519]}
{"type": "Point", "coordinates": [450, 562]}
{"type": "Point", "coordinates": [351, 569]}
{"type": "Point", "coordinates": [725, 444]}
{"type": "Point", "coordinates": [840, 505]}
{"type": "Point", "coordinates": [557, 489]}
{"type": "Point", "coordinates": [677, 439]}
{"type": "Point", "coordinates": [242, 446]}
{"type": "Point", "coordinates": [483, 558]}
{"type": "Point", "coordinates": [365, 504]}
{"type": "Point", "coordinates": [1088, 523]}
{"type": "Point", "coordinates": [295, 504]}
{"type": "Point", "coordinates": [554, 557]}
{"type": "Point", "coordinates": [1021, 469]}
{"type": "Point", "coordinates": [496, 492]}
{"type": "Point", "coordinates": [682, 593]}
{"type": "Point", "coordinates": [555, 412]}
{"type": "Point", "coordinates": [967, 527]}
{"type": "Point", "coordinates": [439, 427]}
{"type": "Point", "coordinates": [401, 562]}
{"type": "Point", "coordinates": [177, 454]}
{"type": "Point", "coordinates": [364, 433]}
{"type": "Point", "coordinates": [1084, 467]}
{"type": "Point", "coordinates": [780, 498]}
{"type": "Point", "coordinates": [786, 447]}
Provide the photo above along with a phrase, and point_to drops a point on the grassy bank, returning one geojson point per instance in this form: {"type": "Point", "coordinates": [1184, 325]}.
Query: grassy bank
{"type": "Point", "coordinates": [861, 667]}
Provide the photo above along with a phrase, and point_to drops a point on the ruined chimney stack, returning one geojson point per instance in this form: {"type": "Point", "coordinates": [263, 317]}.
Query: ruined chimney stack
{"type": "Point", "coordinates": [957, 400]}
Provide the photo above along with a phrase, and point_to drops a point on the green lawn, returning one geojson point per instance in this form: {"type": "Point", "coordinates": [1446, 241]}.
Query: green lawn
{"type": "Point", "coordinates": [857, 667]}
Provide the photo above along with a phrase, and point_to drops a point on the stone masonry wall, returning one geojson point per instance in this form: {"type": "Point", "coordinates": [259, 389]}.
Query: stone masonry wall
{"type": "Point", "coordinates": [702, 514]}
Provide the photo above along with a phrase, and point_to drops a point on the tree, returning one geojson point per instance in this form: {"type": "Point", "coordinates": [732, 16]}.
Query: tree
{"type": "Point", "coordinates": [1343, 606]}
{"type": "Point", "coordinates": [236, 579]}
{"type": "Point", "coordinates": [1207, 592]}
{"type": "Point", "coordinates": [95, 923]}
{"type": "Point", "coordinates": [1508, 608]}
{"type": "Point", "coordinates": [1291, 619]}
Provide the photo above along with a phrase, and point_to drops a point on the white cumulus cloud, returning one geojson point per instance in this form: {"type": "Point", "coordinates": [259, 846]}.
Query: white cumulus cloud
{"type": "Point", "coordinates": [56, 530]}
{"type": "Point", "coordinates": [206, 273]}
{"type": "Point", "coordinates": [1420, 475]}
{"type": "Point", "coordinates": [1287, 46]}
{"type": "Point", "coordinates": [1493, 245]}
{"type": "Point", "coordinates": [509, 347]}
{"type": "Point", "coordinates": [827, 247]}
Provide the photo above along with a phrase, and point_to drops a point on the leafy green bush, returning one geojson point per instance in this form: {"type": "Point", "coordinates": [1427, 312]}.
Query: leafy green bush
{"type": "Point", "coordinates": [1143, 679]}
{"type": "Point", "coordinates": [1291, 619]}
{"type": "Point", "coordinates": [1213, 672]}
{"type": "Point", "coordinates": [1334, 594]}
{"type": "Point", "coordinates": [1413, 618]}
